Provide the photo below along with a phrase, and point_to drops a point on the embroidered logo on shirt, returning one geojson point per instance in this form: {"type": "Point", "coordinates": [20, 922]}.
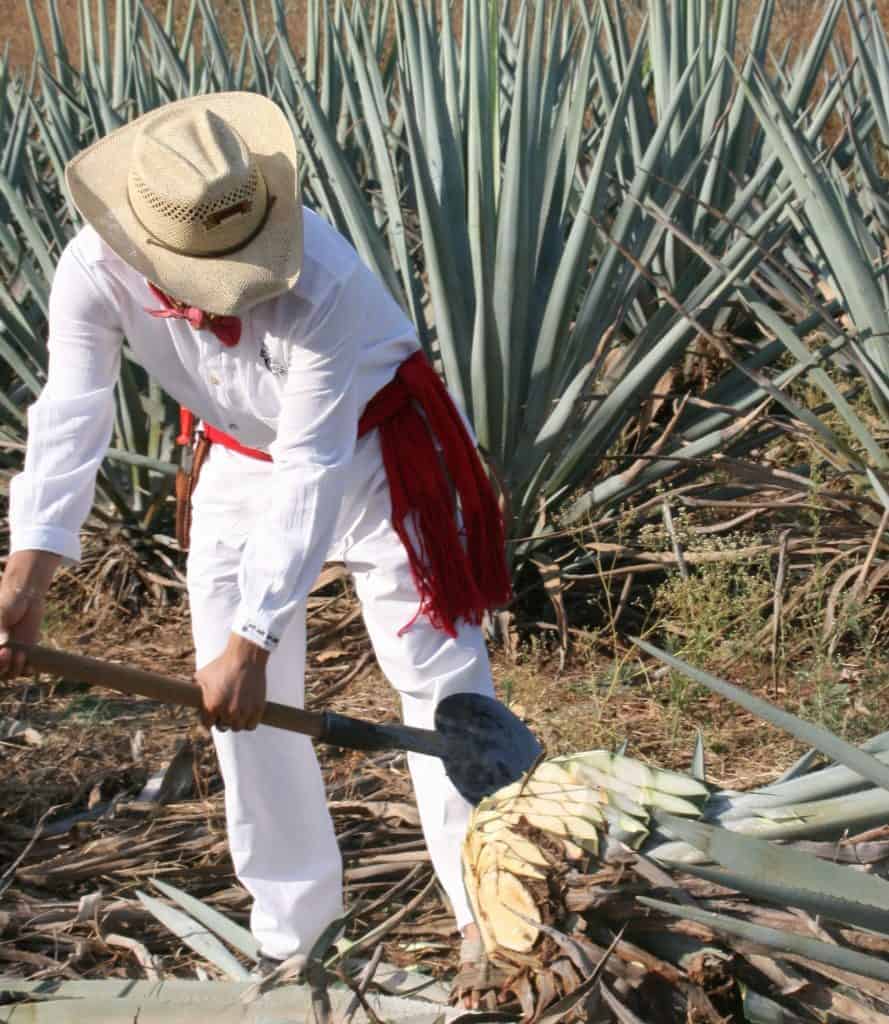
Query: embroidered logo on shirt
{"type": "Point", "coordinates": [279, 369]}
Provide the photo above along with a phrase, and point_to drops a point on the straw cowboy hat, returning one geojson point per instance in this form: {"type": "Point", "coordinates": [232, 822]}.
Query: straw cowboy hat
{"type": "Point", "coordinates": [202, 197]}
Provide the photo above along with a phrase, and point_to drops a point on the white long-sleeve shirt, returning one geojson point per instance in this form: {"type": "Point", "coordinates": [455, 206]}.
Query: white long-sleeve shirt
{"type": "Point", "coordinates": [295, 385]}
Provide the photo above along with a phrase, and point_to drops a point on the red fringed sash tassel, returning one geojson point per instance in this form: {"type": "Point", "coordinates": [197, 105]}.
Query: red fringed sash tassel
{"type": "Point", "coordinates": [459, 571]}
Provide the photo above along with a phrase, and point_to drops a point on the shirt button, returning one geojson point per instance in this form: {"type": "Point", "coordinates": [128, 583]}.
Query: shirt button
{"type": "Point", "coordinates": [232, 426]}
{"type": "Point", "coordinates": [214, 380]}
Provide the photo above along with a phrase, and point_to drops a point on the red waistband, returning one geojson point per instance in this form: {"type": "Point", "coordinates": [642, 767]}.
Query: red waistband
{"type": "Point", "coordinates": [216, 436]}
{"type": "Point", "coordinates": [459, 572]}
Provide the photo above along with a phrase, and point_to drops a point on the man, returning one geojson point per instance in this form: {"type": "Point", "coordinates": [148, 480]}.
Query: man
{"type": "Point", "coordinates": [327, 431]}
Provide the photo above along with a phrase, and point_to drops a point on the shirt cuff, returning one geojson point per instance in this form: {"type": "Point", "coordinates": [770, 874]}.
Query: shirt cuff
{"type": "Point", "coordinates": [54, 539]}
{"type": "Point", "coordinates": [256, 627]}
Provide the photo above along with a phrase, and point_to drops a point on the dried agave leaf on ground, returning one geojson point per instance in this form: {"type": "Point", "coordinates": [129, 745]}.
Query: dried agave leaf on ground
{"type": "Point", "coordinates": [174, 1001]}
{"type": "Point", "coordinates": [13, 729]}
{"type": "Point", "coordinates": [237, 937]}
{"type": "Point", "coordinates": [195, 935]}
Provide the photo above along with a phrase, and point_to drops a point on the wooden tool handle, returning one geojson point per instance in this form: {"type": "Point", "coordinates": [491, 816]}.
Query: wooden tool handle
{"type": "Point", "coordinates": [168, 689]}
{"type": "Point", "coordinates": [325, 726]}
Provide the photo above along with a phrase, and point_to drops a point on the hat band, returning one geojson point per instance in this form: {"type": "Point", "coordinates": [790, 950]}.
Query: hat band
{"type": "Point", "coordinates": [154, 240]}
{"type": "Point", "coordinates": [207, 228]}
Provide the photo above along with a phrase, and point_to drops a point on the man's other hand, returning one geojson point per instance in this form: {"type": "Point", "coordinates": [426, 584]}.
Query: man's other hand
{"type": "Point", "coordinates": [233, 686]}
{"type": "Point", "coordinates": [23, 590]}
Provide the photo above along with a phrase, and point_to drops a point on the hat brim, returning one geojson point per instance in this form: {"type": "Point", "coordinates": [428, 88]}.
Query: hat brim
{"type": "Point", "coordinates": [267, 265]}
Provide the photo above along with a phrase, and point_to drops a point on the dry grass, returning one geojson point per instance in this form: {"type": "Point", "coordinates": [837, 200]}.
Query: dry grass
{"type": "Point", "coordinates": [97, 750]}
{"type": "Point", "coordinates": [70, 805]}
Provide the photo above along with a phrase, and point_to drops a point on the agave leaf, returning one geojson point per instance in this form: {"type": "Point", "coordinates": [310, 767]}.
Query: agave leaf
{"type": "Point", "coordinates": [451, 326]}
{"type": "Point", "coordinates": [359, 225]}
{"type": "Point", "coordinates": [145, 461]}
{"type": "Point", "coordinates": [807, 73]}
{"type": "Point", "coordinates": [513, 270]}
{"type": "Point", "coordinates": [842, 889]}
{"type": "Point", "coordinates": [622, 276]}
{"type": "Point", "coordinates": [759, 1009]}
{"type": "Point", "coordinates": [28, 225]}
{"type": "Point", "coordinates": [236, 936]}
{"type": "Point", "coordinates": [833, 817]}
{"type": "Point", "coordinates": [218, 55]}
{"type": "Point", "coordinates": [20, 364]}
{"type": "Point", "coordinates": [186, 45]}
{"type": "Point", "coordinates": [195, 935]}
{"type": "Point", "coordinates": [482, 123]}
{"type": "Point", "coordinates": [570, 274]}
{"type": "Point", "coordinates": [799, 768]}
{"type": "Point", "coordinates": [17, 135]}
{"type": "Point", "coordinates": [698, 768]}
{"type": "Point", "coordinates": [867, 56]}
{"type": "Point", "coordinates": [837, 399]}
{"type": "Point", "coordinates": [781, 941]}
{"type": "Point", "coordinates": [261, 70]}
{"type": "Point", "coordinates": [822, 739]}
{"type": "Point", "coordinates": [827, 782]}
{"type": "Point", "coordinates": [373, 99]}
{"type": "Point", "coordinates": [846, 260]}
{"type": "Point", "coordinates": [784, 894]}
{"type": "Point", "coordinates": [177, 1001]}
{"type": "Point", "coordinates": [438, 176]}
{"type": "Point", "coordinates": [172, 63]}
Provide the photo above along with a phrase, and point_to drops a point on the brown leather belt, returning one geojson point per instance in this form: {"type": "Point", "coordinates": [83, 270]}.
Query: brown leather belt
{"type": "Point", "coordinates": [186, 481]}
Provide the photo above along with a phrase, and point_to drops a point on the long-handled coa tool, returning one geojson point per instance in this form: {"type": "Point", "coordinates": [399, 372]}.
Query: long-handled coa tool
{"type": "Point", "coordinates": [483, 745]}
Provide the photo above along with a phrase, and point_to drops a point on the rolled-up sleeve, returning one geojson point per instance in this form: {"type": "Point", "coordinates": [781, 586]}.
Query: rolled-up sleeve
{"type": "Point", "coordinates": [70, 424]}
{"type": "Point", "coordinates": [312, 452]}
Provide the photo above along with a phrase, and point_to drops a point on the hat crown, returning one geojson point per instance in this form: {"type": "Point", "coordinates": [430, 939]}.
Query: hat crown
{"type": "Point", "coordinates": [194, 184]}
{"type": "Point", "coordinates": [192, 158]}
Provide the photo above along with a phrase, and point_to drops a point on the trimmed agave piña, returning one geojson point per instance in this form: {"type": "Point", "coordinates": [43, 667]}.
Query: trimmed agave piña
{"type": "Point", "coordinates": [712, 919]}
{"type": "Point", "coordinates": [554, 819]}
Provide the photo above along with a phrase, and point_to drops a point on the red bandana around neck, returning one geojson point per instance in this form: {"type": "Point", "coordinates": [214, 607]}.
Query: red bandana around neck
{"type": "Point", "coordinates": [226, 328]}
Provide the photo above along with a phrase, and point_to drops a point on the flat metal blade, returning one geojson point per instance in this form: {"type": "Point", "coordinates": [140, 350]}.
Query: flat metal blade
{"type": "Point", "coordinates": [486, 747]}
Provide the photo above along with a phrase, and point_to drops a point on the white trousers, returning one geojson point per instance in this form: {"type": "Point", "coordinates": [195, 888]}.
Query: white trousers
{"type": "Point", "coordinates": [280, 833]}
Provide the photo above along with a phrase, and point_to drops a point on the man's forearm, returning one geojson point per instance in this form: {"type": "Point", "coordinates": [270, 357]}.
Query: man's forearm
{"type": "Point", "coordinates": [31, 570]}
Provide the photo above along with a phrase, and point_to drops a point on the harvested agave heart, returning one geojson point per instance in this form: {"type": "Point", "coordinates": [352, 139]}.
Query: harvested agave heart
{"type": "Point", "coordinates": [525, 836]}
